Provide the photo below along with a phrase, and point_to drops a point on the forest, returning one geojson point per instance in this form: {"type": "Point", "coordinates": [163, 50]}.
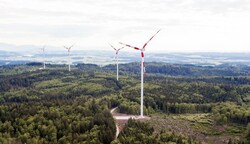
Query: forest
{"type": "Point", "coordinates": [58, 106]}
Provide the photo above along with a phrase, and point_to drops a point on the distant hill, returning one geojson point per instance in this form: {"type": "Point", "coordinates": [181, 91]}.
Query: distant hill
{"type": "Point", "coordinates": [185, 70]}
{"type": "Point", "coordinates": [9, 53]}
{"type": "Point", "coordinates": [58, 55]}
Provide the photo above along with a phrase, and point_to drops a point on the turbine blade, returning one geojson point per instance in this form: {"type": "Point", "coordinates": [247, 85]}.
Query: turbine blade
{"type": "Point", "coordinates": [120, 49]}
{"type": "Point", "coordinates": [150, 39]}
{"type": "Point", "coordinates": [112, 47]}
{"type": "Point", "coordinates": [130, 46]}
{"type": "Point", "coordinates": [71, 46]}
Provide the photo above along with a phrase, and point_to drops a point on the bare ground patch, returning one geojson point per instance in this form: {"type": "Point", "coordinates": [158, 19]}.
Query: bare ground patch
{"type": "Point", "coordinates": [197, 126]}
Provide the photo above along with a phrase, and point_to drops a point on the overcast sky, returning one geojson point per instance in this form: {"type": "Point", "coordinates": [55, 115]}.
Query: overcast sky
{"type": "Point", "coordinates": [187, 25]}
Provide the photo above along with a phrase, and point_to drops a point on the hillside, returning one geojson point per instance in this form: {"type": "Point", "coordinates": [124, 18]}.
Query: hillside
{"type": "Point", "coordinates": [57, 106]}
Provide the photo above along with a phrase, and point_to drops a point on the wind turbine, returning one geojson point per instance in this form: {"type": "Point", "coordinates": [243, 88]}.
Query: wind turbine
{"type": "Point", "coordinates": [116, 58]}
{"type": "Point", "coordinates": [142, 65]}
{"type": "Point", "coordinates": [43, 49]}
{"type": "Point", "coordinates": [68, 49]}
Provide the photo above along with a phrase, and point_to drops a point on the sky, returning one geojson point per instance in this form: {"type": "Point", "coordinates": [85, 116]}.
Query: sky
{"type": "Point", "coordinates": [186, 25]}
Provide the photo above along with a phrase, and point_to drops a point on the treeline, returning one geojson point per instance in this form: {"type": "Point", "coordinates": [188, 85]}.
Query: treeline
{"type": "Point", "coordinates": [158, 93]}
{"type": "Point", "coordinates": [184, 70]}
{"type": "Point", "coordinates": [72, 121]}
{"type": "Point", "coordinates": [183, 108]}
{"type": "Point", "coordinates": [223, 113]}
{"type": "Point", "coordinates": [168, 108]}
{"type": "Point", "coordinates": [230, 80]}
{"type": "Point", "coordinates": [231, 112]}
{"type": "Point", "coordinates": [157, 68]}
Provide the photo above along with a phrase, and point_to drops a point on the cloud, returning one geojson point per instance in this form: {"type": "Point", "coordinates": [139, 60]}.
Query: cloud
{"type": "Point", "coordinates": [221, 6]}
{"type": "Point", "coordinates": [94, 22]}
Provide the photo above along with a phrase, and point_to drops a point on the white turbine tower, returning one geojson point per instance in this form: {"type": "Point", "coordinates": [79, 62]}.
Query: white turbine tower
{"type": "Point", "coordinates": [116, 58]}
{"type": "Point", "coordinates": [142, 65]}
{"type": "Point", "coordinates": [68, 49]}
{"type": "Point", "coordinates": [43, 49]}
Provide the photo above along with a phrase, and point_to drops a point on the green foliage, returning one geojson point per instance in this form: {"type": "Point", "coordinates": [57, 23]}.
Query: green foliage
{"type": "Point", "coordinates": [57, 121]}
{"type": "Point", "coordinates": [231, 112]}
{"type": "Point", "coordinates": [184, 70]}
{"type": "Point", "coordinates": [248, 133]}
{"type": "Point", "coordinates": [140, 132]}
{"type": "Point", "coordinates": [137, 132]}
{"type": "Point", "coordinates": [57, 106]}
